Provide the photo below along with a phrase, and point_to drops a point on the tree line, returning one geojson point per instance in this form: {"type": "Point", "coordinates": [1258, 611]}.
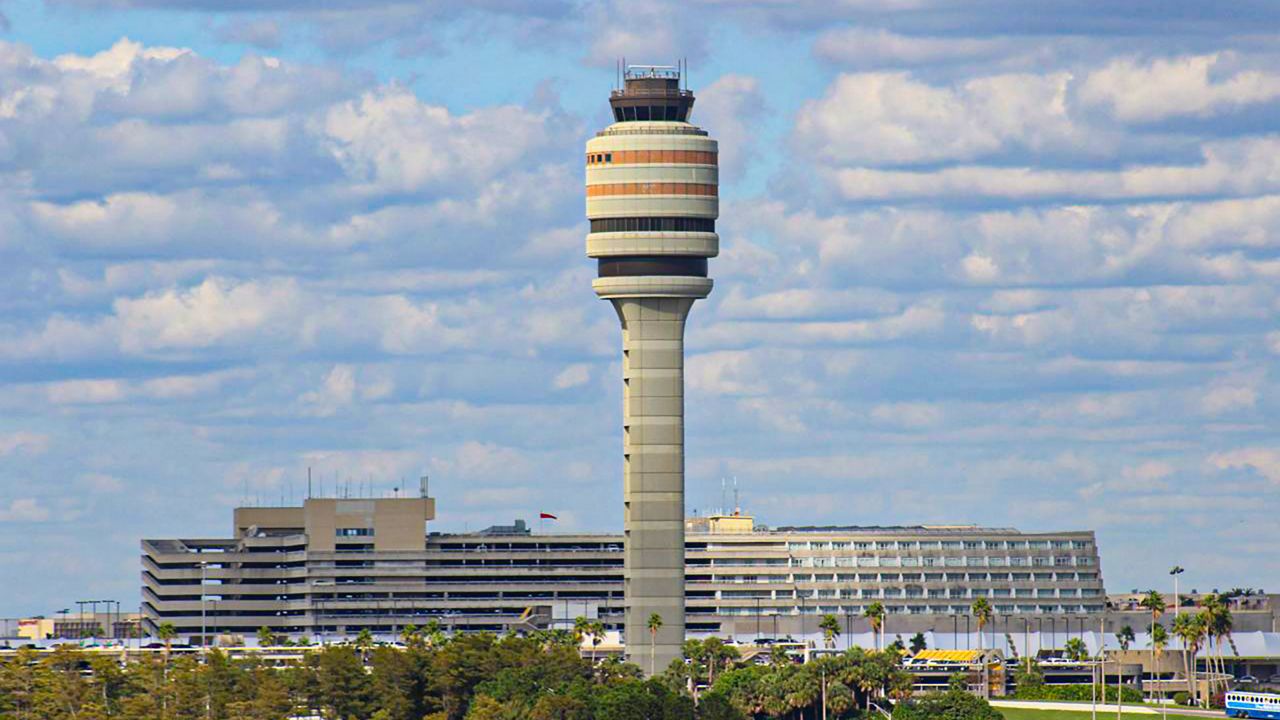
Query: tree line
{"type": "Point", "coordinates": [471, 676]}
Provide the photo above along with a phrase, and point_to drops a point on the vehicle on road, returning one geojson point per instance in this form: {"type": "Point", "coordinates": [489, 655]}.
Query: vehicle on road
{"type": "Point", "coordinates": [1252, 705]}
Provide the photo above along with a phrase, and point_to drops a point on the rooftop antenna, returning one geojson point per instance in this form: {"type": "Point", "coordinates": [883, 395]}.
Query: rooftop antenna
{"type": "Point", "coordinates": [723, 504]}
{"type": "Point", "coordinates": [422, 486]}
{"type": "Point", "coordinates": [737, 509]}
{"type": "Point", "coordinates": [308, 482]}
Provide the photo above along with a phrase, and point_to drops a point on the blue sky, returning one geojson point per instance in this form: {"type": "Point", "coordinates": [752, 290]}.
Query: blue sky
{"type": "Point", "coordinates": [980, 263]}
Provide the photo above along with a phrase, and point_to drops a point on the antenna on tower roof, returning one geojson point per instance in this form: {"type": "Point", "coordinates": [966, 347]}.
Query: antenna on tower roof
{"type": "Point", "coordinates": [737, 509]}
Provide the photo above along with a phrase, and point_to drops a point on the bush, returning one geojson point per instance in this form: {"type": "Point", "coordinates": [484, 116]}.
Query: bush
{"type": "Point", "coordinates": [1077, 693]}
{"type": "Point", "coordinates": [1181, 698]}
{"type": "Point", "coordinates": [949, 705]}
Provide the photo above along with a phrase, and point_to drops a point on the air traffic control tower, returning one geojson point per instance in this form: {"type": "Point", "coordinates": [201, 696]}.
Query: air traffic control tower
{"type": "Point", "coordinates": [652, 201]}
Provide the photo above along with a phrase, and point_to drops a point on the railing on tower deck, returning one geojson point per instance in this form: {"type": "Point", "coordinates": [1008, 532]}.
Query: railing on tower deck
{"type": "Point", "coordinates": [652, 72]}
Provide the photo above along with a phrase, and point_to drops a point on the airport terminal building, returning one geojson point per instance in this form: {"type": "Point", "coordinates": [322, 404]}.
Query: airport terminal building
{"type": "Point", "coordinates": [340, 565]}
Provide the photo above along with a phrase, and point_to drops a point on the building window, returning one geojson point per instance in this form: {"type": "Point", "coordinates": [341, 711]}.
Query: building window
{"type": "Point", "coordinates": [354, 532]}
{"type": "Point", "coordinates": [660, 224]}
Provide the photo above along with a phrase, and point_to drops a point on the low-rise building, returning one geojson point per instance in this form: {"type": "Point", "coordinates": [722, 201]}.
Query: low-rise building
{"type": "Point", "coordinates": [336, 565]}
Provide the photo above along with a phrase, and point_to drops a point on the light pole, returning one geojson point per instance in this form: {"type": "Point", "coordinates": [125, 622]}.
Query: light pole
{"type": "Point", "coordinates": [204, 569]}
{"type": "Point", "coordinates": [1175, 572]}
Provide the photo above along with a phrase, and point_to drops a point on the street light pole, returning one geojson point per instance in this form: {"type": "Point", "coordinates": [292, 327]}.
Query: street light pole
{"type": "Point", "coordinates": [204, 568]}
{"type": "Point", "coordinates": [1177, 605]}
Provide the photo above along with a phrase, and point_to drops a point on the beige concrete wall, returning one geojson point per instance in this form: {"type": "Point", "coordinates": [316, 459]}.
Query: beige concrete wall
{"type": "Point", "coordinates": [322, 521]}
{"type": "Point", "coordinates": [400, 524]}
{"type": "Point", "coordinates": [267, 517]}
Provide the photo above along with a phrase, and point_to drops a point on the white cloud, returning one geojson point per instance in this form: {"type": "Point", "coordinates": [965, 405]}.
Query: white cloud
{"type": "Point", "coordinates": [1170, 87]}
{"type": "Point", "coordinates": [337, 391]}
{"type": "Point", "coordinates": [733, 106]}
{"type": "Point", "coordinates": [1229, 396]}
{"type": "Point", "coordinates": [572, 376]}
{"type": "Point", "coordinates": [102, 483]}
{"type": "Point", "coordinates": [867, 47]}
{"type": "Point", "coordinates": [85, 392]}
{"type": "Point", "coordinates": [23, 442]}
{"type": "Point", "coordinates": [1250, 166]}
{"type": "Point", "coordinates": [1265, 461]}
{"type": "Point", "coordinates": [894, 119]}
{"type": "Point", "coordinates": [390, 141]}
{"type": "Point", "coordinates": [912, 415]}
{"type": "Point", "coordinates": [215, 311]}
{"type": "Point", "coordinates": [24, 510]}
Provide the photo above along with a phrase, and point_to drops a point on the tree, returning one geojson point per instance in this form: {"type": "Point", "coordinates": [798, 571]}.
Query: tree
{"type": "Point", "coordinates": [918, 643]}
{"type": "Point", "coordinates": [1075, 650]}
{"type": "Point", "coordinates": [596, 631]}
{"type": "Point", "coordinates": [167, 632]}
{"type": "Point", "coordinates": [1191, 631]}
{"type": "Point", "coordinates": [364, 642]}
{"type": "Point", "coordinates": [1219, 624]}
{"type": "Point", "coordinates": [581, 625]}
{"type": "Point", "coordinates": [654, 624]}
{"type": "Point", "coordinates": [409, 635]}
{"type": "Point", "coordinates": [830, 627]}
{"type": "Point", "coordinates": [982, 613]}
{"type": "Point", "coordinates": [874, 613]}
{"type": "Point", "coordinates": [954, 704]}
{"type": "Point", "coordinates": [1125, 637]}
{"type": "Point", "coordinates": [1159, 641]}
{"type": "Point", "coordinates": [1154, 603]}
{"type": "Point", "coordinates": [266, 638]}
{"type": "Point", "coordinates": [343, 686]}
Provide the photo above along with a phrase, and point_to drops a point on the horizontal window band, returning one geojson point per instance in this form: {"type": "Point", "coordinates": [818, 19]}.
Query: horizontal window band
{"type": "Point", "coordinates": [653, 224]}
{"type": "Point", "coordinates": [653, 188]}
{"type": "Point", "coordinates": [629, 266]}
{"type": "Point", "coordinates": [630, 157]}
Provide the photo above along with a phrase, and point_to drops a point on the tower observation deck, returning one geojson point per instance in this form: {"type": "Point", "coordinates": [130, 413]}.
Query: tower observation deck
{"type": "Point", "coordinates": [652, 200]}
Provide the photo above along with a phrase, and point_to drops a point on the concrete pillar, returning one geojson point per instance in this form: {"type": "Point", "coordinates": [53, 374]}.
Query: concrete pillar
{"type": "Point", "coordinates": [653, 475]}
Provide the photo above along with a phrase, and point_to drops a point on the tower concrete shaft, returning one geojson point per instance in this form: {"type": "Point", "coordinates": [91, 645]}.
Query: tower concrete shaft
{"type": "Point", "coordinates": [652, 200]}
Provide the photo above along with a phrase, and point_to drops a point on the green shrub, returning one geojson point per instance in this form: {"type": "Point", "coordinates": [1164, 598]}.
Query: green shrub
{"type": "Point", "coordinates": [1181, 698]}
{"type": "Point", "coordinates": [1077, 693]}
{"type": "Point", "coordinates": [949, 705]}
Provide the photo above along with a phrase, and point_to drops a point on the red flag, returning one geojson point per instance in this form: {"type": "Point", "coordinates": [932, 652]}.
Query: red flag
{"type": "Point", "coordinates": [547, 516]}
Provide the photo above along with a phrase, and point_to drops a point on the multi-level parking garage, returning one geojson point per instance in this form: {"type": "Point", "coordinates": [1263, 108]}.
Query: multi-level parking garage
{"type": "Point", "coordinates": [338, 566]}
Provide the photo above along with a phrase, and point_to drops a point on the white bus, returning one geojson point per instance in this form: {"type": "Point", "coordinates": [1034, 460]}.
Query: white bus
{"type": "Point", "coordinates": [1253, 705]}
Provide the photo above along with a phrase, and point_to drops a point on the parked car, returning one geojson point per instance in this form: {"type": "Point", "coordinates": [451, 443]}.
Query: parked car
{"type": "Point", "coordinates": [1247, 680]}
{"type": "Point", "coordinates": [1274, 679]}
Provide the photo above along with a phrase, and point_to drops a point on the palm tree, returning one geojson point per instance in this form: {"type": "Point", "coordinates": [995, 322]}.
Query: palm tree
{"type": "Point", "coordinates": [266, 638]}
{"type": "Point", "coordinates": [581, 626]}
{"type": "Point", "coordinates": [982, 613]}
{"type": "Point", "coordinates": [1153, 602]}
{"type": "Point", "coordinates": [409, 635]}
{"type": "Point", "coordinates": [875, 615]}
{"type": "Point", "coordinates": [1125, 637]}
{"type": "Point", "coordinates": [830, 627]}
{"type": "Point", "coordinates": [596, 631]}
{"type": "Point", "coordinates": [1190, 630]}
{"type": "Point", "coordinates": [1159, 641]}
{"type": "Point", "coordinates": [655, 623]}
{"type": "Point", "coordinates": [1076, 650]}
{"type": "Point", "coordinates": [364, 642]}
{"type": "Point", "coordinates": [1218, 626]}
{"type": "Point", "coordinates": [167, 632]}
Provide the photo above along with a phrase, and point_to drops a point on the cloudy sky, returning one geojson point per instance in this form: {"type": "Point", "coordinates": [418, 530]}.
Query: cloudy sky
{"type": "Point", "coordinates": [982, 263]}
